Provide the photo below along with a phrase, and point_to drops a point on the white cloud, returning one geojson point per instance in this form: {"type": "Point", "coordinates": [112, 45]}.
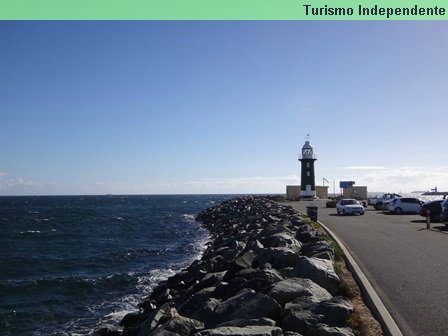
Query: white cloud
{"type": "Point", "coordinates": [364, 168]}
{"type": "Point", "coordinates": [230, 185]}
{"type": "Point", "coordinates": [400, 179]}
{"type": "Point", "coordinates": [15, 184]}
{"type": "Point", "coordinates": [376, 178]}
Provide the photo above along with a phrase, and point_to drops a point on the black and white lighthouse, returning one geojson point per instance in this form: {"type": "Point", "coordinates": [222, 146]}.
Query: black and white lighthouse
{"type": "Point", "coordinates": [307, 184]}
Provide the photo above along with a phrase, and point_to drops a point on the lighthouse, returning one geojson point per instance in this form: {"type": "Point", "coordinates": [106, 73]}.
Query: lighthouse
{"type": "Point", "coordinates": [307, 184]}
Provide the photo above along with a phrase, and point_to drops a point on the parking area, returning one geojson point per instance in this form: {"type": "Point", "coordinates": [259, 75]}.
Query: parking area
{"type": "Point", "coordinates": [406, 263]}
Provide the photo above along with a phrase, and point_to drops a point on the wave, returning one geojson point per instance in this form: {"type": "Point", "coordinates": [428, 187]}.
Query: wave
{"type": "Point", "coordinates": [189, 217]}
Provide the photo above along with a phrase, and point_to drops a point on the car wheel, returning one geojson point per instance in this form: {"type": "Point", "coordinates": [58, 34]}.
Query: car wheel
{"type": "Point", "coordinates": [378, 206]}
{"type": "Point", "coordinates": [361, 213]}
{"type": "Point", "coordinates": [398, 211]}
{"type": "Point", "coordinates": [339, 213]}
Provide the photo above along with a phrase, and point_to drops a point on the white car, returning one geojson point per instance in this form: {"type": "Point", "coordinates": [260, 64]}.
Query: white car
{"type": "Point", "coordinates": [348, 206]}
{"type": "Point", "coordinates": [405, 204]}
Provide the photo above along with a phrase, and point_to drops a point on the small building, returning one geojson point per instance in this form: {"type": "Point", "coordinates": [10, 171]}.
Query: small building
{"type": "Point", "coordinates": [359, 192]}
{"type": "Point", "coordinates": [293, 192]}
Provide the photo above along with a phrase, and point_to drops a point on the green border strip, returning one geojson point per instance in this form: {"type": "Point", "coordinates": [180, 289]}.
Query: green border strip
{"type": "Point", "coordinates": [221, 10]}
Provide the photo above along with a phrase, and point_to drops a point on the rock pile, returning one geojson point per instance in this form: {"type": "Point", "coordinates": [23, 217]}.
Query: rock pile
{"type": "Point", "coordinates": [265, 273]}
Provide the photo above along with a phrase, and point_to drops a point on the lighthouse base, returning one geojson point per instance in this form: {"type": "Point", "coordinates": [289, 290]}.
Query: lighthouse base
{"type": "Point", "coordinates": [307, 194]}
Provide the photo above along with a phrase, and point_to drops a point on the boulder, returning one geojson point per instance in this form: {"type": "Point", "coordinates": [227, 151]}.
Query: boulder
{"type": "Point", "coordinates": [181, 325]}
{"type": "Point", "coordinates": [269, 274]}
{"type": "Point", "coordinates": [281, 239]}
{"type": "Point", "coordinates": [291, 333]}
{"type": "Point", "coordinates": [258, 284]}
{"type": "Point", "coordinates": [305, 234]}
{"type": "Point", "coordinates": [106, 331]}
{"type": "Point", "coordinates": [335, 311]}
{"type": "Point", "coordinates": [278, 257]}
{"type": "Point", "coordinates": [241, 331]}
{"type": "Point", "coordinates": [300, 321]}
{"type": "Point", "coordinates": [209, 280]}
{"type": "Point", "coordinates": [131, 319]}
{"type": "Point", "coordinates": [321, 271]}
{"type": "Point", "coordinates": [322, 329]}
{"type": "Point", "coordinates": [287, 290]}
{"type": "Point", "coordinates": [195, 301]}
{"type": "Point", "coordinates": [159, 316]}
{"type": "Point", "coordinates": [321, 247]}
{"type": "Point", "coordinates": [225, 290]}
{"type": "Point", "coordinates": [206, 312]}
{"type": "Point", "coordinates": [247, 304]}
{"type": "Point", "coordinates": [252, 322]}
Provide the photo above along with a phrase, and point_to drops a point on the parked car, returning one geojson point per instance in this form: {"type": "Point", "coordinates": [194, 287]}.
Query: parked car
{"type": "Point", "coordinates": [378, 202]}
{"type": "Point", "coordinates": [405, 205]}
{"type": "Point", "coordinates": [435, 209]}
{"type": "Point", "coordinates": [444, 212]}
{"type": "Point", "coordinates": [348, 206]}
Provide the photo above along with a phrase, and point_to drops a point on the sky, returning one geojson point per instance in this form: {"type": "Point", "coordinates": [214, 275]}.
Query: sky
{"type": "Point", "coordinates": [198, 107]}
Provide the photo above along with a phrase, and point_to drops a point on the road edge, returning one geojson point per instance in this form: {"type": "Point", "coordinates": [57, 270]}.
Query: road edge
{"type": "Point", "coordinates": [372, 300]}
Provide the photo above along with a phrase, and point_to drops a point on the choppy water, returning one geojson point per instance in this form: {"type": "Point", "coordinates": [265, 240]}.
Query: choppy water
{"type": "Point", "coordinates": [69, 264]}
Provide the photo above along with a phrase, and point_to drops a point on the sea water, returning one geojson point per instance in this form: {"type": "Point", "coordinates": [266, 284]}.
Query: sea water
{"type": "Point", "coordinates": [72, 264]}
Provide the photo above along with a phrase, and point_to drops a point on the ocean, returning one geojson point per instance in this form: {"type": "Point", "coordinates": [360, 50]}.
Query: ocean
{"type": "Point", "coordinates": [72, 264]}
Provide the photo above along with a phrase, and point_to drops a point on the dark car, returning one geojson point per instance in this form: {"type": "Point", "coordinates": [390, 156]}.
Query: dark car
{"type": "Point", "coordinates": [435, 208]}
{"type": "Point", "coordinates": [444, 213]}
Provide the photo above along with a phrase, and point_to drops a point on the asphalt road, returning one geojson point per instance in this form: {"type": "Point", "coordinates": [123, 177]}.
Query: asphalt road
{"type": "Point", "coordinates": [406, 263]}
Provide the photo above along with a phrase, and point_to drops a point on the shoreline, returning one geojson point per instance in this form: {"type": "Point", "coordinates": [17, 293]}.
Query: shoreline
{"type": "Point", "coordinates": [266, 271]}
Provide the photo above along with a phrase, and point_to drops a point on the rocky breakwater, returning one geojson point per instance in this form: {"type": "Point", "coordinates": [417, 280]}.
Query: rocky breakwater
{"type": "Point", "coordinates": [266, 272]}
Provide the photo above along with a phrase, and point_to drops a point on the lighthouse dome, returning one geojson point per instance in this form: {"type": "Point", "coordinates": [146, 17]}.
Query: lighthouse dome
{"type": "Point", "coordinates": [307, 145]}
{"type": "Point", "coordinates": [307, 151]}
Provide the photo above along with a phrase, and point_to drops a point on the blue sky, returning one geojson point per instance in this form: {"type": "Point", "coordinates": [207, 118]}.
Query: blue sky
{"type": "Point", "coordinates": [220, 106]}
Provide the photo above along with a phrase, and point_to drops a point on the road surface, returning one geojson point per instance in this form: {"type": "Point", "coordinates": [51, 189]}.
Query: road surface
{"type": "Point", "coordinates": [406, 263]}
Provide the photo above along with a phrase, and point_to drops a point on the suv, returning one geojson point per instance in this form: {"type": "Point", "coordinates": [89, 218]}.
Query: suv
{"type": "Point", "coordinates": [434, 208]}
{"type": "Point", "coordinates": [444, 213]}
{"type": "Point", "coordinates": [405, 204]}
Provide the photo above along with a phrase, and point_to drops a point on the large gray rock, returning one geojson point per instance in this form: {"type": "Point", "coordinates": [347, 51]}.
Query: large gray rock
{"type": "Point", "coordinates": [319, 249]}
{"type": "Point", "coordinates": [321, 271]}
{"type": "Point", "coordinates": [252, 322]}
{"type": "Point", "coordinates": [336, 311]}
{"type": "Point", "coordinates": [278, 257]}
{"type": "Point", "coordinates": [247, 304]}
{"type": "Point", "coordinates": [306, 234]}
{"type": "Point", "coordinates": [287, 290]}
{"type": "Point", "coordinates": [241, 331]}
{"type": "Point", "coordinates": [300, 321]}
{"type": "Point", "coordinates": [269, 274]}
{"type": "Point", "coordinates": [322, 329]}
{"type": "Point", "coordinates": [291, 333]}
{"type": "Point", "coordinates": [163, 332]}
{"type": "Point", "coordinates": [226, 290]}
{"type": "Point", "coordinates": [206, 312]}
{"type": "Point", "coordinates": [209, 280]}
{"type": "Point", "coordinates": [245, 260]}
{"type": "Point", "coordinates": [281, 239]}
{"type": "Point", "coordinates": [195, 301]}
{"type": "Point", "coordinates": [180, 325]}
{"type": "Point", "coordinates": [159, 316]}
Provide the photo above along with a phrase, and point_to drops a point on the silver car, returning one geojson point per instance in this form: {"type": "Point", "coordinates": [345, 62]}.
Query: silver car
{"type": "Point", "coordinates": [349, 206]}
